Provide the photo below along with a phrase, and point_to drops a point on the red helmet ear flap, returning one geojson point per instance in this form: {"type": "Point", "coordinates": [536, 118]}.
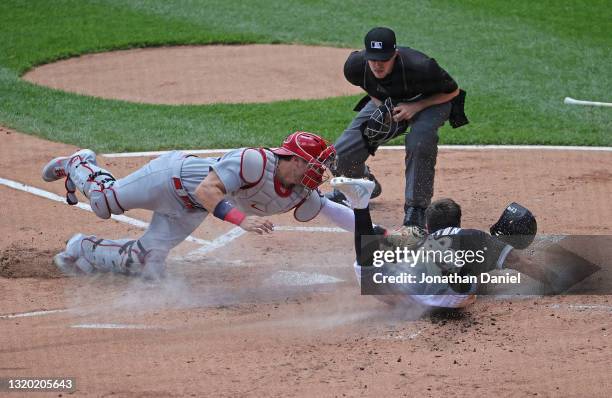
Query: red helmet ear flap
{"type": "Point", "coordinates": [328, 156]}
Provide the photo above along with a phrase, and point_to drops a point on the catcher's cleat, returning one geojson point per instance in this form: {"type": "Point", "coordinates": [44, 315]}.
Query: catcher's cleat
{"type": "Point", "coordinates": [415, 217]}
{"type": "Point", "coordinates": [356, 190]}
{"type": "Point", "coordinates": [66, 264]}
{"type": "Point", "coordinates": [56, 169]}
{"type": "Point", "coordinates": [68, 261]}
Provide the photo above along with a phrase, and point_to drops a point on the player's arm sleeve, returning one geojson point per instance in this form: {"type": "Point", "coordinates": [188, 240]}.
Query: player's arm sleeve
{"type": "Point", "coordinates": [354, 69]}
{"type": "Point", "coordinates": [439, 79]}
{"type": "Point", "coordinates": [489, 253]}
{"type": "Point", "coordinates": [496, 249]}
{"type": "Point", "coordinates": [338, 214]}
{"type": "Point", "coordinates": [228, 171]}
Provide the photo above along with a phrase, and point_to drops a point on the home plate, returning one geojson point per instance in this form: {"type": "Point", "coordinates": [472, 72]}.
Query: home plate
{"type": "Point", "coordinates": [111, 326]}
{"type": "Point", "coordinates": [295, 278]}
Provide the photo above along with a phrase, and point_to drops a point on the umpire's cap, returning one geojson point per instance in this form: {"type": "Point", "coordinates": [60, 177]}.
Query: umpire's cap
{"type": "Point", "coordinates": [379, 44]}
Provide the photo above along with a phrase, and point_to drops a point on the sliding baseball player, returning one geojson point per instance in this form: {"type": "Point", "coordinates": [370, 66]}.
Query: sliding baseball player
{"type": "Point", "coordinates": [515, 229]}
{"type": "Point", "coordinates": [242, 188]}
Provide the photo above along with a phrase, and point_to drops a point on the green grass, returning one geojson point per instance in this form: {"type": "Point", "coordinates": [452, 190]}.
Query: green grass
{"type": "Point", "coordinates": [516, 61]}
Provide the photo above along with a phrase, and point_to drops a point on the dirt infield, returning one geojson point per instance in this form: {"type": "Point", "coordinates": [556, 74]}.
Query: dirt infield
{"type": "Point", "coordinates": [203, 74]}
{"type": "Point", "coordinates": [281, 315]}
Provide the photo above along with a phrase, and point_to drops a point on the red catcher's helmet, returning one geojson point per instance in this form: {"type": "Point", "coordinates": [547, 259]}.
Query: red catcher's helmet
{"type": "Point", "coordinates": [313, 149]}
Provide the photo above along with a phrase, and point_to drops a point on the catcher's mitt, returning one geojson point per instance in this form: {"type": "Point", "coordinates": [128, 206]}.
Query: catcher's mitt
{"type": "Point", "coordinates": [411, 237]}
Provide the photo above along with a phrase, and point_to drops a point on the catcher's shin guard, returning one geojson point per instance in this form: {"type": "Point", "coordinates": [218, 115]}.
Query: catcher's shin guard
{"type": "Point", "coordinates": [118, 256]}
{"type": "Point", "coordinates": [97, 185]}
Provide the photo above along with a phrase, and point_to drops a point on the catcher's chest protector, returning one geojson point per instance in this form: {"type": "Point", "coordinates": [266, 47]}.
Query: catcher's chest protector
{"type": "Point", "coordinates": [265, 197]}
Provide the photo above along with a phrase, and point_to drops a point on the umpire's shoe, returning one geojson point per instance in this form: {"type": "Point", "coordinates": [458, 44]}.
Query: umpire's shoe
{"type": "Point", "coordinates": [415, 217]}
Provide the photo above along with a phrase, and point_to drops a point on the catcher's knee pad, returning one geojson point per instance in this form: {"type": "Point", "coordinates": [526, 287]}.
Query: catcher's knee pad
{"type": "Point", "coordinates": [103, 200]}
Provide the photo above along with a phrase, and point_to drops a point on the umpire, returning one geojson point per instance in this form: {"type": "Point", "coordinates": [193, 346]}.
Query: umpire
{"type": "Point", "coordinates": [423, 95]}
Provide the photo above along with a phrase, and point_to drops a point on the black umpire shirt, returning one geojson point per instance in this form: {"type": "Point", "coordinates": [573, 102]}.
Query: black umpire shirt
{"type": "Point", "coordinates": [414, 77]}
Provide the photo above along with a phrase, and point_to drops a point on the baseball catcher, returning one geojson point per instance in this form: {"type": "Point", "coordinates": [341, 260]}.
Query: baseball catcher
{"type": "Point", "coordinates": [240, 188]}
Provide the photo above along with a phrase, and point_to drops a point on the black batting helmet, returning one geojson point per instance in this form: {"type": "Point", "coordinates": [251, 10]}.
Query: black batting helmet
{"type": "Point", "coordinates": [517, 226]}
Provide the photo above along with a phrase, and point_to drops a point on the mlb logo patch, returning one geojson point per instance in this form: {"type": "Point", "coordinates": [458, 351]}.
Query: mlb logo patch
{"type": "Point", "coordinates": [376, 45]}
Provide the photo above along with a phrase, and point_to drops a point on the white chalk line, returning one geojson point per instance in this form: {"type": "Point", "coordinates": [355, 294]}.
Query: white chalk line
{"type": "Point", "coordinates": [51, 196]}
{"type": "Point", "coordinates": [237, 232]}
{"type": "Point", "coordinates": [582, 307]}
{"type": "Point", "coordinates": [33, 313]}
{"type": "Point", "coordinates": [218, 242]}
{"type": "Point", "coordinates": [404, 336]}
{"type": "Point", "coordinates": [113, 326]}
{"type": "Point", "coordinates": [158, 153]}
{"type": "Point", "coordinates": [391, 148]}
{"type": "Point", "coordinates": [298, 279]}
{"type": "Point", "coordinates": [308, 229]}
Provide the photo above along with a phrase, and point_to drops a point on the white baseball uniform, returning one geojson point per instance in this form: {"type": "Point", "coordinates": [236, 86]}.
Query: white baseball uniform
{"type": "Point", "coordinates": [166, 186]}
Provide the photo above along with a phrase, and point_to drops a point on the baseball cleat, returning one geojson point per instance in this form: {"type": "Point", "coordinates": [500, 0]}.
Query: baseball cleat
{"type": "Point", "coordinates": [68, 261]}
{"type": "Point", "coordinates": [56, 169]}
{"type": "Point", "coordinates": [414, 217]}
{"type": "Point", "coordinates": [65, 264]}
{"type": "Point", "coordinates": [356, 190]}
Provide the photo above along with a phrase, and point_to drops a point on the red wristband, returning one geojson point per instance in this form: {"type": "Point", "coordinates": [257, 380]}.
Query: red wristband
{"type": "Point", "coordinates": [235, 216]}
{"type": "Point", "coordinates": [227, 212]}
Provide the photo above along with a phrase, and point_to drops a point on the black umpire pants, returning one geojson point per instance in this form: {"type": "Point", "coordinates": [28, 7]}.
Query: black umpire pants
{"type": "Point", "coordinates": [421, 151]}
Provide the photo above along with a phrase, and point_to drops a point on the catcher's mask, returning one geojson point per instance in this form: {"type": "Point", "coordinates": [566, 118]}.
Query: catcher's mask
{"type": "Point", "coordinates": [517, 226]}
{"type": "Point", "coordinates": [319, 154]}
{"type": "Point", "coordinates": [381, 127]}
